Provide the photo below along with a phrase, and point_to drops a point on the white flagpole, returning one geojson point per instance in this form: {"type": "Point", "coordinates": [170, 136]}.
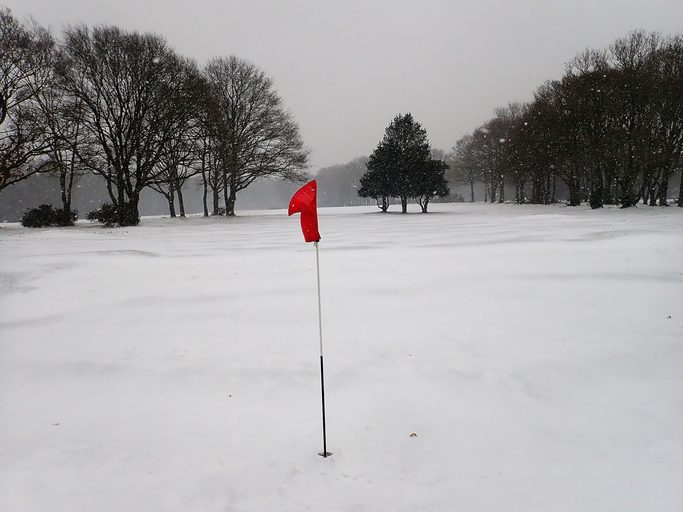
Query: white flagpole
{"type": "Point", "coordinates": [324, 453]}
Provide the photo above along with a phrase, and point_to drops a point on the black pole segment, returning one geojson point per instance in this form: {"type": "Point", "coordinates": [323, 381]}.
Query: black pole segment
{"type": "Point", "coordinates": [324, 453]}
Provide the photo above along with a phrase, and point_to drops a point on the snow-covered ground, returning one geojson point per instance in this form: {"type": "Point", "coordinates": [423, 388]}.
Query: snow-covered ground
{"type": "Point", "coordinates": [536, 352]}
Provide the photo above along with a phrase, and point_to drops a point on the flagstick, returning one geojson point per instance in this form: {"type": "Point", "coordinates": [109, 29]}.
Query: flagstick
{"type": "Point", "coordinates": [324, 453]}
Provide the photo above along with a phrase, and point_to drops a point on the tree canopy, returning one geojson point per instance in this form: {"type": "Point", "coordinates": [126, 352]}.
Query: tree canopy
{"type": "Point", "coordinates": [609, 132]}
{"type": "Point", "coordinates": [402, 166]}
{"type": "Point", "coordinates": [124, 106]}
{"type": "Point", "coordinates": [25, 63]}
{"type": "Point", "coordinates": [255, 136]}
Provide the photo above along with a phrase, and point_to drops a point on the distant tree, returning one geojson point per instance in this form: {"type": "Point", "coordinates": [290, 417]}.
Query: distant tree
{"type": "Point", "coordinates": [586, 107]}
{"type": "Point", "coordinates": [67, 147]}
{"type": "Point", "coordinates": [611, 130]}
{"type": "Point", "coordinates": [502, 127]}
{"type": "Point", "coordinates": [666, 126]}
{"type": "Point", "coordinates": [671, 87]}
{"type": "Point", "coordinates": [516, 157]}
{"type": "Point", "coordinates": [431, 183]}
{"type": "Point", "coordinates": [127, 84]}
{"type": "Point", "coordinates": [376, 182]}
{"type": "Point", "coordinates": [395, 166]}
{"type": "Point", "coordinates": [338, 185]}
{"type": "Point", "coordinates": [183, 151]}
{"type": "Point", "coordinates": [463, 164]}
{"type": "Point", "coordinates": [25, 63]}
{"type": "Point", "coordinates": [632, 109]}
{"type": "Point", "coordinates": [536, 141]}
{"type": "Point", "coordinates": [488, 151]}
{"type": "Point", "coordinates": [255, 137]}
{"type": "Point", "coordinates": [213, 178]}
{"type": "Point", "coordinates": [209, 148]}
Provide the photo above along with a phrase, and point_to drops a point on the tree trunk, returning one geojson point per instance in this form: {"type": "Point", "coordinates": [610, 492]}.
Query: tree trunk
{"type": "Point", "coordinates": [170, 197]}
{"type": "Point", "coordinates": [663, 190]}
{"type": "Point", "coordinates": [70, 190]}
{"type": "Point", "coordinates": [471, 191]}
{"type": "Point", "coordinates": [205, 194]}
{"type": "Point", "coordinates": [121, 204]}
{"type": "Point", "coordinates": [227, 189]}
{"type": "Point", "coordinates": [680, 192]}
{"type": "Point", "coordinates": [230, 200]}
{"type": "Point", "coordinates": [537, 195]}
{"type": "Point", "coordinates": [216, 201]}
{"type": "Point", "coordinates": [628, 196]}
{"type": "Point", "coordinates": [519, 193]}
{"type": "Point", "coordinates": [110, 189]}
{"type": "Point", "coordinates": [181, 202]}
{"type": "Point", "coordinates": [608, 197]}
{"type": "Point", "coordinates": [66, 198]}
{"type": "Point", "coordinates": [62, 185]}
{"type": "Point", "coordinates": [574, 191]}
{"type": "Point", "coordinates": [404, 204]}
{"type": "Point", "coordinates": [129, 213]}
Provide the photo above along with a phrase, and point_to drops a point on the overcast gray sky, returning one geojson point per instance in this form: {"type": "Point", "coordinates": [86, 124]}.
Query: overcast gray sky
{"type": "Point", "coordinates": [346, 68]}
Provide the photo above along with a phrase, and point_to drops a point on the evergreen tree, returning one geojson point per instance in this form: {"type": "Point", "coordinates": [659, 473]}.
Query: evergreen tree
{"type": "Point", "coordinates": [400, 164]}
{"type": "Point", "coordinates": [431, 183]}
{"type": "Point", "coordinates": [376, 182]}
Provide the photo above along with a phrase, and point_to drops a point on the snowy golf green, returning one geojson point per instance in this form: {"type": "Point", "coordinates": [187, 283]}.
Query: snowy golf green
{"type": "Point", "coordinates": [477, 358]}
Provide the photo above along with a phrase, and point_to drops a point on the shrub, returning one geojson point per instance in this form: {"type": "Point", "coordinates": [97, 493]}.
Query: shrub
{"type": "Point", "coordinates": [45, 216]}
{"type": "Point", "coordinates": [66, 218]}
{"type": "Point", "coordinates": [108, 214]}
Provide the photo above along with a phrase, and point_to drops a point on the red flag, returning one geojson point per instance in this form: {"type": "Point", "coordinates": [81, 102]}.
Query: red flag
{"type": "Point", "coordinates": [304, 202]}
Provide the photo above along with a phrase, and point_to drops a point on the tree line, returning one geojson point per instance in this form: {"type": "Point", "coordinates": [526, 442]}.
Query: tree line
{"type": "Point", "coordinates": [125, 107]}
{"type": "Point", "coordinates": [610, 131]}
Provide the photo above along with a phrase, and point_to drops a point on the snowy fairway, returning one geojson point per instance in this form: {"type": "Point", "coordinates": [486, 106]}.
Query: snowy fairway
{"type": "Point", "coordinates": [537, 353]}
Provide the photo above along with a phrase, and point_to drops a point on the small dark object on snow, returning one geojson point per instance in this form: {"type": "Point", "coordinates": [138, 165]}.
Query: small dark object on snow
{"type": "Point", "coordinates": [413, 434]}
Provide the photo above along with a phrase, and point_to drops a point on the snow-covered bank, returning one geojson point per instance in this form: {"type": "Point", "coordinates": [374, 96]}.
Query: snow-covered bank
{"type": "Point", "coordinates": [535, 351]}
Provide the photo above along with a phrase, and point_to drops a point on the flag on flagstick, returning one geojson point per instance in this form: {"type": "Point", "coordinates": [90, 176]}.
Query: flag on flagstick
{"type": "Point", "coordinates": [304, 202]}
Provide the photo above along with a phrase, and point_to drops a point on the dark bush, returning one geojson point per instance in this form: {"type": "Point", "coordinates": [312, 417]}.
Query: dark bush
{"type": "Point", "coordinates": [45, 216]}
{"type": "Point", "coordinates": [66, 218]}
{"type": "Point", "coordinates": [109, 215]}
{"type": "Point", "coordinates": [106, 214]}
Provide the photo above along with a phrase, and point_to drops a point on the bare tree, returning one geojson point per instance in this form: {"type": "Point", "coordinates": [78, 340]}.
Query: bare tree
{"type": "Point", "coordinates": [630, 57]}
{"type": "Point", "coordinates": [68, 149]}
{"type": "Point", "coordinates": [463, 164]}
{"type": "Point", "coordinates": [182, 155]}
{"type": "Point", "coordinates": [127, 85]}
{"type": "Point", "coordinates": [25, 54]}
{"type": "Point", "coordinates": [666, 152]}
{"type": "Point", "coordinates": [209, 147]}
{"type": "Point", "coordinates": [256, 137]}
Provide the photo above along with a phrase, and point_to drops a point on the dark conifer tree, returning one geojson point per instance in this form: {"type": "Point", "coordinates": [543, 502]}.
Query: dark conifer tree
{"type": "Point", "coordinates": [431, 183]}
{"type": "Point", "coordinates": [400, 164]}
